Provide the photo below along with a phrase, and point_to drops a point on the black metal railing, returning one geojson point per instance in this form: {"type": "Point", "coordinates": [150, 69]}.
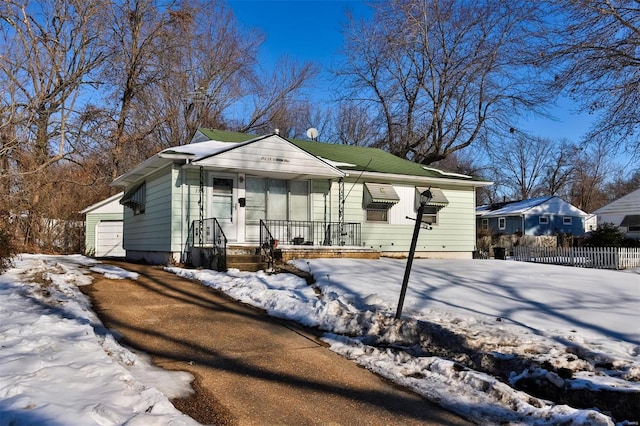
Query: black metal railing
{"type": "Point", "coordinates": [303, 232]}
{"type": "Point", "coordinates": [268, 244]}
{"type": "Point", "coordinates": [209, 233]}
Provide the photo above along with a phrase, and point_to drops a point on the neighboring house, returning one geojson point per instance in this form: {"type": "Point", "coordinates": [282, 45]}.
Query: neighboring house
{"type": "Point", "coordinates": [536, 216]}
{"type": "Point", "coordinates": [306, 193]}
{"type": "Point", "coordinates": [623, 213]}
{"type": "Point", "coordinates": [103, 228]}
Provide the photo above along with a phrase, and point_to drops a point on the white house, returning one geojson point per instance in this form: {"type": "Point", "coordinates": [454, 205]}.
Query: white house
{"type": "Point", "coordinates": [623, 213]}
{"type": "Point", "coordinates": [237, 188]}
{"type": "Point", "coordinates": [103, 227]}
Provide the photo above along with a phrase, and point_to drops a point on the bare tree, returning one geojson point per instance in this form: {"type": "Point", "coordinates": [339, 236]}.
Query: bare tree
{"type": "Point", "coordinates": [197, 69]}
{"type": "Point", "coordinates": [49, 51]}
{"type": "Point", "coordinates": [596, 52]}
{"type": "Point", "coordinates": [622, 185]}
{"type": "Point", "coordinates": [443, 74]}
{"type": "Point", "coordinates": [277, 96]}
{"type": "Point", "coordinates": [591, 170]}
{"type": "Point", "coordinates": [212, 69]}
{"type": "Point", "coordinates": [560, 169]}
{"type": "Point", "coordinates": [135, 40]}
{"type": "Point", "coordinates": [520, 165]}
{"type": "Point", "coordinates": [353, 124]}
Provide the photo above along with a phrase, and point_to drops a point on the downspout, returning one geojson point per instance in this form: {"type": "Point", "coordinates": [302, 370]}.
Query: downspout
{"type": "Point", "coordinates": [184, 215]}
{"type": "Point", "coordinates": [201, 206]}
{"type": "Point", "coordinates": [341, 200]}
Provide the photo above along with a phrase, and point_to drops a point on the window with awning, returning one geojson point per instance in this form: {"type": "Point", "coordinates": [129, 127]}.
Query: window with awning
{"type": "Point", "coordinates": [380, 193]}
{"type": "Point", "coordinates": [432, 208]}
{"type": "Point", "coordinates": [136, 198]}
{"type": "Point", "coordinates": [631, 222]}
{"type": "Point", "coordinates": [378, 199]}
{"type": "Point", "coordinates": [438, 199]}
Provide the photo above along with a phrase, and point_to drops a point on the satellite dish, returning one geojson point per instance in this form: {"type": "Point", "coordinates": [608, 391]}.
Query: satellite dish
{"type": "Point", "coordinates": [312, 133]}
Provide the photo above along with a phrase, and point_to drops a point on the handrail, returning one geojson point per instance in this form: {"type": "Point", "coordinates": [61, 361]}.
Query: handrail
{"type": "Point", "coordinates": [267, 243]}
{"type": "Point", "coordinates": [209, 233]}
{"type": "Point", "coordinates": [220, 246]}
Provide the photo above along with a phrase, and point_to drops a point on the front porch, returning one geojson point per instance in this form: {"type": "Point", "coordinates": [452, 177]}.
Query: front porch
{"type": "Point", "coordinates": [279, 241]}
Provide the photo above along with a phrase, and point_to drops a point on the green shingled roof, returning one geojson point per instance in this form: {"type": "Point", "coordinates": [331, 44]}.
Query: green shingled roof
{"type": "Point", "coordinates": [351, 158]}
{"type": "Point", "coordinates": [225, 136]}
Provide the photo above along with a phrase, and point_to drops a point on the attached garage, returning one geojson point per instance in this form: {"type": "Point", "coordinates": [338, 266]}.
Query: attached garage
{"type": "Point", "coordinates": [103, 228]}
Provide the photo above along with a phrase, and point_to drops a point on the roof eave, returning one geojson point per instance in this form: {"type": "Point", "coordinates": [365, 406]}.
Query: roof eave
{"type": "Point", "coordinates": [141, 171]}
{"type": "Point", "coordinates": [102, 203]}
{"type": "Point", "coordinates": [421, 179]}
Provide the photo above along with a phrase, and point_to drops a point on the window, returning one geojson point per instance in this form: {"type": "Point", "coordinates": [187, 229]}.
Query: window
{"type": "Point", "coordinates": [276, 199]}
{"type": "Point", "coordinates": [433, 207]}
{"type": "Point", "coordinates": [567, 220]}
{"type": "Point", "coordinates": [377, 213]}
{"type": "Point", "coordinates": [136, 198]}
{"type": "Point", "coordinates": [378, 198]}
{"type": "Point", "coordinates": [485, 224]}
{"type": "Point", "coordinates": [502, 223]}
{"type": "Point", "coordinates": [543, 220]}
{"type": "Point", "coordinates": [430, 215]}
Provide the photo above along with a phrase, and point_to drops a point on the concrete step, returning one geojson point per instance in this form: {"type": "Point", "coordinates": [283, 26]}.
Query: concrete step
{"type": "Point", "coordinates": [244, 258]}
{"type": "Point", "coordinates": [248, 267]}
{"type": "Point", "coordinates": [242, 250]}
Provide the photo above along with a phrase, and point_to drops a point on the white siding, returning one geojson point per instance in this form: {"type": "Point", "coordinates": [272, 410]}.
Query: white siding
{"type": "Point", "coordinates": [151, 231]}
{"type": "Point", "coordinates": [271, 157]}
{"type": "Point", "coordinates": [615, 211]}
{"type": "Point", "coordinates": [455, 231]}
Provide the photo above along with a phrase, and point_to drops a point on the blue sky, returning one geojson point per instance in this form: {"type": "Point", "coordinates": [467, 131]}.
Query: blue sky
{"type": "Point", "coordinates": [309, 30]}
{"type": "Point", "coordinates": [304, 29]}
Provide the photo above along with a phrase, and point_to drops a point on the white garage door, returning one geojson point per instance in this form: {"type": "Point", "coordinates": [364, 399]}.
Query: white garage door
{"type": "Point", "coordinates": [109, 239]}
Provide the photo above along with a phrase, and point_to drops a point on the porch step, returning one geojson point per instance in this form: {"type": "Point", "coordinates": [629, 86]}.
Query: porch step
{"type": "Point", "coordinates": [246, 262]}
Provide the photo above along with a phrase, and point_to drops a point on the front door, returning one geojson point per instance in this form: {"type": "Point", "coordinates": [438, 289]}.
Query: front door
{"type": "Point", "coordinates": [222, 198]}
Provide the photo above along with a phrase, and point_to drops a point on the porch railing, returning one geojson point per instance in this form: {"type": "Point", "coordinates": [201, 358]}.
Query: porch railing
{"type": "Point", "coordinates": [208, 233]}
{"type": "Point", "coordinates": [319, 233]}
{"type": "Point", "coordinates": [268, 244]}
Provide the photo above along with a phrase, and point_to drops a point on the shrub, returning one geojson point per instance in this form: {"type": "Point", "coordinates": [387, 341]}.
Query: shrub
{"type": "Point", "coordinates": [607, 235]}
{"type": "Point", "coordinates": [7, 251]}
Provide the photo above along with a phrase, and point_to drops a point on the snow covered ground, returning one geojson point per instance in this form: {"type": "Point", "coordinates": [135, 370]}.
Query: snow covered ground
{"type": "Point", "coordinates": [58, 362]}
{"type": "Point", "coordinates": [59, 366]}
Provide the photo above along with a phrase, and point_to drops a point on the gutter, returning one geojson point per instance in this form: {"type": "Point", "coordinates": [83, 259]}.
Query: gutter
{"type": "Point", "coordinates": [425, 180]}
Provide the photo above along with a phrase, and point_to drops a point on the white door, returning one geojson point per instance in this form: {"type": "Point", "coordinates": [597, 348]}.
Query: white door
{"type": "Point", "coordinates": [109, 239]}
{"type": "Point", "coordinates": [222, 205]}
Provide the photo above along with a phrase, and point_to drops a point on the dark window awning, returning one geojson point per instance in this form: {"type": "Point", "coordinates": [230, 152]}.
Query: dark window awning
{"type": "Point", "coordinates": [380, 193]}
{"type": "Point", "coordinates": [438, 200]}
{"type": "Point", "coordinates": [136, 197]}
{"type": "Point", "coordinates": [631, 220]}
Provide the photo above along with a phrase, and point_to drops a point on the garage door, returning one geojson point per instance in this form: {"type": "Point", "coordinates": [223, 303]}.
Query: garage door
{"type": "Point", "coordinates": [109, 239]}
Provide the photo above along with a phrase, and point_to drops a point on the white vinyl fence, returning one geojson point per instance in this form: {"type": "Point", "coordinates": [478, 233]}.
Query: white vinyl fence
{"type": "Point", "coordinates": [586, 257]}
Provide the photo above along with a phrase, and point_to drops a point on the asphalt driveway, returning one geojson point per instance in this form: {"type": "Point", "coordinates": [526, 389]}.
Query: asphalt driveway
{"type": "Point", "coordinates": [250, 369]}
